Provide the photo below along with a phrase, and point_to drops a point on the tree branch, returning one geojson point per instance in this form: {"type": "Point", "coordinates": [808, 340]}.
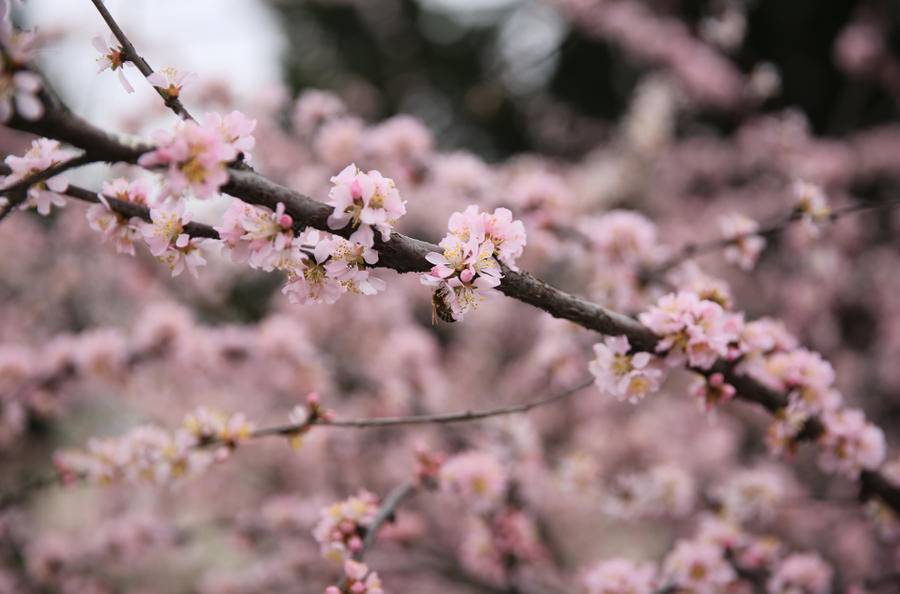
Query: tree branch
{"type": "Point", "coordinates": [131, 55]}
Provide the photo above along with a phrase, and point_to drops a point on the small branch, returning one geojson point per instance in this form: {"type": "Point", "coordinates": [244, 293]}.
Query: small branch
{"type": "Point", "coordinates": [131, 55]}
{"type": "Point", "coordinates": [386, 512]}
{"type": "Point", "coordinates": [691, 250]}
{"type": "Point", "coordinates": [445, 418]}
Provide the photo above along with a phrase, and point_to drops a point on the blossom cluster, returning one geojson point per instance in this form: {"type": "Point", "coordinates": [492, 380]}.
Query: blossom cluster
{"type": "Point", "coordinates": [342, 526]}
{"type": "Point", "coordinates": [692, 330]}
{"type": "Point", "coordinates": [470, 265]}
{"type": "Point", "coordinates": [151, 454]}
{"type": "Point", "coordinates": [622, 374]}
{"type": "Point", "coordinates": [43, 154]}
{"type": "Point", "coordinates": [195, 155]}
{"type": "Point", "coordinates": [367, 201]}
{"type": "Point", "coordinates": [477, 477]}
{"type": "Point", "coordinates": [359, 579]}
{"type": "Point", "coordinates": [19, 87]}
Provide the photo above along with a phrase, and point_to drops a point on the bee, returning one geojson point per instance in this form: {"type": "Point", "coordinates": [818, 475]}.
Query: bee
{"type": "Point", "coordinates": [439, 308]}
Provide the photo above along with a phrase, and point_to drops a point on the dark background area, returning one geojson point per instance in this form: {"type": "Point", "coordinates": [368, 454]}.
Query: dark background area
{"type": "Point", "coordinates": [414, 57]}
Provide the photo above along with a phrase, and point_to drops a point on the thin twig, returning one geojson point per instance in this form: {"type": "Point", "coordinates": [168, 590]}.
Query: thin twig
{"type": "Point", "coordinates": [131, 54]}
{"type": "Point", "coordinates": [443, 418]}
{"type": "Point", "coordinates": [691, 250]}
{"type": "Point", "coordinates": [385, 513]}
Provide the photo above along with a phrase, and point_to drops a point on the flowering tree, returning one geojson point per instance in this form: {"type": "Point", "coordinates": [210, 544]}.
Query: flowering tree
{"type": "Point", "coordinates": [600, 379]}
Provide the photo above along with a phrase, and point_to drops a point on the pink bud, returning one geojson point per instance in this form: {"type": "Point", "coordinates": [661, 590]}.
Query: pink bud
{"type": "Point", "coordinates": [312, 398]}
{"type": "Point", "coordinates": [466, 275]}
{"type": "Point", "coordinates": [285, 221]}
{"type": "Point", "coordinates": [356, 189]}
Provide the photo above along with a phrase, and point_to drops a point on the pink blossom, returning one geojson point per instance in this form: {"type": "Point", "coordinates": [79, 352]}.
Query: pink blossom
{"type": "Point", "coordinates": [812, 205]}
{"type": "Point", "coordinates": [695, 330]}
{"type": "Point", "coordinates": [112, 57]}
{"type": "Point", "coordinates": [622, 375]}
{"type": "Point", "coordinates": [506, 235]}
{"type": "Point", "coordinates": [113, 226]}
{"type": "Point", "coordinates": [342, 525]}
{"type": "Point", "coordinates": [698, 567]}
{"type": "Point", "coordinates": [167, 240]}
{"type": "Point", "coordinates": [308, 278]}
{"type": "Point", "coordinates": [712, 390]}
{"type": "Point", "coordinates": [43, 154]}
{"type": "Point", "coordinates": [477, 477]}
{"type": "Point", "coordinates": [19, 89]}
{"type": "Point", "coordinates": [801, 573]}
{"type": "Point", "coordinates": [258, 235]}
{"type": "Point", "coordinates": [752, 493]}
{"type": "Point", "coordinates": [170, 80]}
{"type": "Point", "coordinates": [314, 107]}
{"type": "Point", "coordinates": [462, 276]}
{"type": "Point", "coordinates": [196, 155]}
{"type": "Point", "coordinates": [367, 201]}
{"type": "Point", "coordinates": [620, 576]}
{"type": "Point", "coordinates": [359, 580]}
{"type": "Point", "coordinates": [850, 444]}
{"type": "Point", "coordinates": [623, 238]}
{"type": "Point", "coordinates": [746, 245]}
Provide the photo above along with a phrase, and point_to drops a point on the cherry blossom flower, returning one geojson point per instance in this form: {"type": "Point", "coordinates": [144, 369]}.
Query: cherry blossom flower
{"type": "Point", "coordinates": [698, 567]}
{"type": "Point", "coordinates": [309, 280]}
{"type": "Point", "coordinates": [121, 230]}
{"type": "Point", "coordinates": [196, 155]}
{"type": "Point", "coordinates": [359, 580]}
{"type": "Point", "coordinates": [112, 57]}
{"type": "Point", "coordinates": [506, 235]}
{"type": "Point", "coordinates": [469, 268]}
{"type": "Point", "coordinates": [752, 493]}
{"type": "Point", "coordinates": [19, 93]}
{"type": "Point", "coordinates": [850, 444]}
{"type": "Point", "coordinates": [258, 235]}
{"type": "Point", "coordinates": [622, 375]}
{"type": "Point", "coordinates": [170, 80]}
{"type": "Point", "coordinates": [746, 245]}
{"type": "Point", "coordinates": [620, 576]}
{"type": "Point", "coordinates": [167, 240]}
{"type": "Point", "coordinates": [801, 573]}
{"type": "Point", "coordinates": [695, 330]}
{"type": "Point", "coordinates": [367, 201]}
{"type": "Point", "coordinates": [145, 454]}
{"type": "Point", "coordinates": [43, 154]}
{"type": "Point", "coordinates": [477, 477]}
{"type": "Point", "coordinates": [342, 525]}
{"type": "Point", "coordinates": [812, 205]}
{"type": "Point", "coordinates": [712, 390]}
{"type": "Point", "coordinates": [462, 276]}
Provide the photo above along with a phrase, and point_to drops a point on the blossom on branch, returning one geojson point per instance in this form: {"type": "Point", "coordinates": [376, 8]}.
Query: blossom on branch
{"type": "Point", "coordinates": [620, 576]}
{"type": "Point", "coordinates": [850, 444]}
{"type": "Point", "coordinates": [698, 567]}
{"type": "Point", "coordinates": [196, 155]}
{"type": "Point", "coordinates": [622, 374]}
{"type": "Point", "coordinates": [43, 154]}
{"type": "Point", "coordinates": [170, 81]}
{"type": "Point", "coordinates": [359, 579]}
{"type": "Point", "coordinates": [692, 330]}
{"type": "Point", "coordinates": [342, 526]}
{"type": "Point", "coordinates": [746, 245]}
{"type": "Point", "coordinates": [477, 477]}
{"type": "Point", "coordinates": [112, 57]}
{"type": "Point", "coordinates": [469, 267]}
{"type": "Point", "coordinates": [123, 231]}
{"type": "Point", "coordinates": [801, 573]}
{"type": "Point", "coordinates": [367, 201]}
{"type": "Point", "coordinates": [167, 240]}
